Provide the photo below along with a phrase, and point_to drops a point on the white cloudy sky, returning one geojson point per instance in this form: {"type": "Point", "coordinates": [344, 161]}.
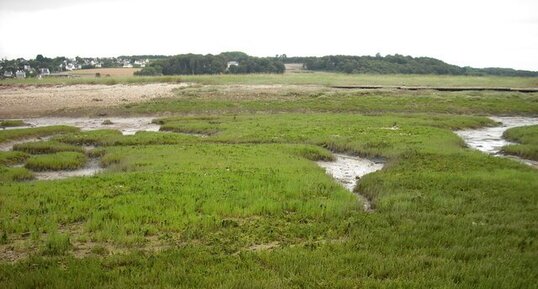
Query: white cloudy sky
{"type": "Point", "coordinates": [480, 33]}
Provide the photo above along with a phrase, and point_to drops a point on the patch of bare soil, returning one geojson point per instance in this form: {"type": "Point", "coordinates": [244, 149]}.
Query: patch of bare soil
{"type": "Point", "coordinates": [33, 101]}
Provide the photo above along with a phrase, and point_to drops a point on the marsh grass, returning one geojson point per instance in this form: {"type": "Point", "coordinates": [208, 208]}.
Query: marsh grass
{"type": "Point", "coordinates": [9, 158]}
{"type": "Point", "coordinates": [15, 134]}
{"type": "Point", "coordinates": [238, 100]}
{"type": "Point", "coordinates": [527, 137]}
{"type": "Point", "coordinates": [46, 147]}
{"type": "Point", "coordinates": [8, 174]}
{"type": "Point", "coordinates": [315, 78]}
{"type": "Point", "coordinates": [247, 207]}
{"type": "Point", "coordinates": [115, 138]}
{"type": "Point", "coordinates": [56, 244]}
{"type": "Point", "coordinates": [12, 123]}
{"type": "Point", "coordinates": [56, 161]}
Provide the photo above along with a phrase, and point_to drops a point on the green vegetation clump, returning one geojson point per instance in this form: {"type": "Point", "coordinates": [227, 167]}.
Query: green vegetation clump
{"type": "Point", "coordinates": [12, 157]}
{"type": "Point", "coordinates": [56, 161]}
{"type": "Point", "coordinates": [56, 244]}
{"type": "Point", "coordinates": [12, 123]}
{"type": "Point", "coordinates": [92, 137]}
{"type": "Point", "coordinates": [15, 134]}
{"type": "Point", "coordinates": [8, 174]}
{"type": "Point", "coordinates": [527, 137]}
{"type": "Point", "coordinates": [203, 128]}
{"type": "Point", "coordinates": [46, 147]}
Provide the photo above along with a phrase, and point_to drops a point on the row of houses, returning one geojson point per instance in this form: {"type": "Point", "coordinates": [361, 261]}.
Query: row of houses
{"type": "Point", "coordinates": [21, 73]}
{"type": "Point", "coordinates": [21, 68]}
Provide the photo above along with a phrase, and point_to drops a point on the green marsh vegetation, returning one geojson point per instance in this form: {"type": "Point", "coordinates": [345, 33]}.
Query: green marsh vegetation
{"type": "Point", "coordinates": [314, 78]}
{"type": "Point", "coordinates": [246, 206]}
{"type": "Point", "coordinates": [22, 133]}
{"type": "Point", "coordinates": [46, 147]}
{"type": "Point", "coordinates": [527, 139]}
{"type": "Point", "coordinates": [238, 99]}
{"type": "Point", "coordinates": [11, 123]}
{"type": "Point", "coordinates": [66, 160]}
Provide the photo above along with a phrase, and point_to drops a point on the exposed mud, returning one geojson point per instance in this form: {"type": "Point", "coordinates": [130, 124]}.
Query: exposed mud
{"type": "Point", "coordinates": [127, 125]}
{"type": "Point", "coordinates": [490, 140]}
{"type": "Point", "coordinates": [91, 168]}
{"type": "Point", "coordinates": [31, 101]}
{"type": "Point", "coordinates": [347, 170]}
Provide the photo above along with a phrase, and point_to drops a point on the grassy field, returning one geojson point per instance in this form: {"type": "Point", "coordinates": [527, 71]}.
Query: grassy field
{"type": "Point", "coordinates": [527, 137]}
{"type": "Point", "coordinates": [215, 99]}
{"type": "Point", "coordinates": [316, 78]}
{"type": "Point", "coordinates": [242, 204]}
{"type": "Point", "coordinates": [105, 72]}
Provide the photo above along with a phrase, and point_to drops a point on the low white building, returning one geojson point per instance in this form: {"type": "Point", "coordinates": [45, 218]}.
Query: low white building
{"type": "Point", "coordinates": [44, 71]}
{"type": "Point", "coordinates": [231, 63]}
{"type": "Point", "coordinates": [20, 74]}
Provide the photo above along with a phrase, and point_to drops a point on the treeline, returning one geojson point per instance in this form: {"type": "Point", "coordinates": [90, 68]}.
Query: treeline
{"type": "Point", "coordinates": [226, 62]}
{"type": "Point", "coordinates": [396, 64]}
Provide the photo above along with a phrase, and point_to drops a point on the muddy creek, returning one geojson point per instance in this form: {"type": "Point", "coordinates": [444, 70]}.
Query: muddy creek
{"type": "Point", "coordinates": [347, 170]}
{"type": "Point", "coordinates": [490, 140]}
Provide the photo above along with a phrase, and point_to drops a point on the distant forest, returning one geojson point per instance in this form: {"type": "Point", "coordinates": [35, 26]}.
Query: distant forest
{"type": "Point", "coordinates": [226, 62]}
{"type": "Point", "coordinates": [396, 64]}
{"type": "Point", "coordinates": [239, 62]}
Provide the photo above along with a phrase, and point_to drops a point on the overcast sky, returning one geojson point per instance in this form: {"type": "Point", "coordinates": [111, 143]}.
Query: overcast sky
{"type": "Point", "coordinates": [479, 33]}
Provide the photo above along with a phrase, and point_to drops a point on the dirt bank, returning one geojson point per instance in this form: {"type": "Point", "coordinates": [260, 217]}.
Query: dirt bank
{"type": "Point", "coordinates": [33, 101]}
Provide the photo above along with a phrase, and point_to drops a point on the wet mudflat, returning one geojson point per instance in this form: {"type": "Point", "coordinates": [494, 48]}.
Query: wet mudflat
{"type": "Point", "coordinates": [91, 168]}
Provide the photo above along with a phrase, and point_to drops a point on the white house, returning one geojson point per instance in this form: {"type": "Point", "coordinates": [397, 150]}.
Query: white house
{"type": "Point", "coordinates": [8, 73]}
{"type": "Point", "coordinates": [20, 74]}
{"type": "Point", "coordinates": [231, 63]}
{"type": "Point", "coordinates": [44, 71]}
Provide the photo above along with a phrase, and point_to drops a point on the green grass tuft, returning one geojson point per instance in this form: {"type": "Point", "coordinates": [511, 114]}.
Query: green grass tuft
{"type": "Point", "coordinates": [527, 136]}
{"type": "Point", "coordinates": [46, 147]}
{"type": "Point", "coordinates": [9, 158]}
{"type": "Point", "coordinates": [8, 174]}
{"type": "Point", "coordinates": [15, 134]}
{"type": "Point", "coordinates": [56, 161]}
{"type": "Point", "coordinates": [12, 123]}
